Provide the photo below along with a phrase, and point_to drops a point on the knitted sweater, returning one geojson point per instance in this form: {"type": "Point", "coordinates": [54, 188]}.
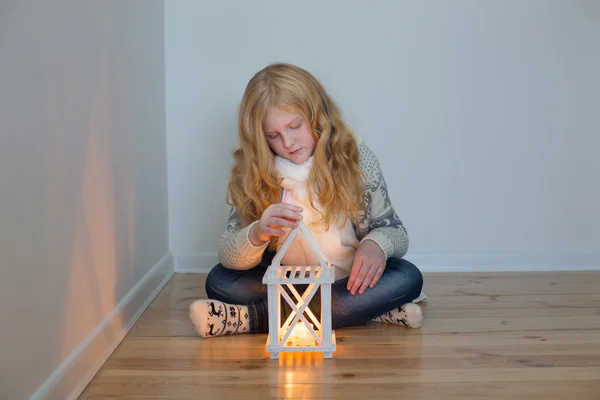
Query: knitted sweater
{"type": "Point", "coordinates": [378, 223]}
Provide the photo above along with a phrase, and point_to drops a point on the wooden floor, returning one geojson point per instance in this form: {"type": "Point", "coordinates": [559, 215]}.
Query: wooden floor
{"type": "Point", "coordinates": [485, 336]}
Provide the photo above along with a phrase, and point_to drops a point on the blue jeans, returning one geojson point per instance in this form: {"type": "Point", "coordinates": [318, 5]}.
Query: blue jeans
{"type": "Point", "coordinates": [400, 283]}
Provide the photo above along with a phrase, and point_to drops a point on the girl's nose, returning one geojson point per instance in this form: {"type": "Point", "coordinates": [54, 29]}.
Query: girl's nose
{"type": "Point", "coordinates": [287, 140]}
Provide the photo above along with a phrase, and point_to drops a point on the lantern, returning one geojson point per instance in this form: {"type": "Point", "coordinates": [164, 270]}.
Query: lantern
{"type": "Point", "coordinates": [301, 331]}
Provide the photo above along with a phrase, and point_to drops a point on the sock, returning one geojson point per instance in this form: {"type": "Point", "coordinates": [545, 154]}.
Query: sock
{"type": "Point", "coordinates": [409, 315]}
{"type": "Point", "coordinates": [215, 318]}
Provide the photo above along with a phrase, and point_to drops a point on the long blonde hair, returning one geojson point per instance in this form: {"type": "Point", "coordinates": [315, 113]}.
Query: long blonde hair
{"type": "Point", "coordinates": [335, 179]}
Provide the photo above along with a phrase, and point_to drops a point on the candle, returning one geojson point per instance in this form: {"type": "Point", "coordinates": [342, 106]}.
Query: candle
{"type": "Point", "coordinates": [301, 336]}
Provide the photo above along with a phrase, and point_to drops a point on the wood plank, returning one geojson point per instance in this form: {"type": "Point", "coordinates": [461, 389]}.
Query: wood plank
{"type": "Point", "coordinates": [157, 322]}
{"type": "Point", "coordinates": [558, 390]}
{"type": "Point", "coordinates": [492, 336]}
{"type": "Point", "coordinates": [274, 374]}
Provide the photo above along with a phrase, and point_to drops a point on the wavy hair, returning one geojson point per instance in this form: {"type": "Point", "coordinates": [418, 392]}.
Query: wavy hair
{"type": "Point", "coordinates": [335, 179]}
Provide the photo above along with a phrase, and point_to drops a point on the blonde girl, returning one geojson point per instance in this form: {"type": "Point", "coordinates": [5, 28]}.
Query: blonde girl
{"type": "Point", "coordinates": [298, 160]}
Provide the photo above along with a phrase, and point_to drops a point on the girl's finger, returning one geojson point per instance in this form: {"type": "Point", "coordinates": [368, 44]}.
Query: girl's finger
{"type": "Point", "coordinates": [278, 222]}
{"type": "Point", "coordinates": [291, 207]}
{"type": "Point", "coordinates": [368, 279]}
{"type": "Point", "coordinates": [360, 277]}
{"type": "Point", "coordinates": [274, 232]}
{"type": "Point", "coordinates": [377, 276]}
{"type": "Point", "coordinates": [288, 214]}
{"type": "Point", "coordinates": [354, 274]}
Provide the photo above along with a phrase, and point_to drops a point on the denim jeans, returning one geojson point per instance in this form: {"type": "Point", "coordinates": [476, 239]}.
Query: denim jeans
{"type": "Point", "coordinates": [400, 283]}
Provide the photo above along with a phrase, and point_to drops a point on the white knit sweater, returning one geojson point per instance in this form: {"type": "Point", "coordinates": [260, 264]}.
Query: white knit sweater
{"type": "Point", "coordinates": [378, 223]}
{"type": "Point", "coordinates": [339, 241]}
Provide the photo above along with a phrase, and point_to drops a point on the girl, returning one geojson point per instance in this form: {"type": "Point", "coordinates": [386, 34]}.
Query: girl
{"type": "Point", "coordinates": [294, 143]}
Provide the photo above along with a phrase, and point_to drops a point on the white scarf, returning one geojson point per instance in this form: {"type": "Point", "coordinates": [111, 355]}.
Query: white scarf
{"type": "Point", "coordinates": [339, 244]}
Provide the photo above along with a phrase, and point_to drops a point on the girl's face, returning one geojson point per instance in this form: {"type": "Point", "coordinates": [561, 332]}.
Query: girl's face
{"type": "Point", "coordinates": [289, 135]}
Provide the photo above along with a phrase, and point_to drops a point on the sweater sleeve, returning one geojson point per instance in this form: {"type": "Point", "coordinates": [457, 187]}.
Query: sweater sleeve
{"type": "Point", "coordinates": [384, 226]}
{"type": "Point", "coordinates": [236, 251]}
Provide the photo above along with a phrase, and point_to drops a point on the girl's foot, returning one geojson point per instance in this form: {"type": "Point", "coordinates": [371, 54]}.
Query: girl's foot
{"type": "Point", "coordinates": [215, 318]}
{"type": "Point", "coordinates": [409, 315]}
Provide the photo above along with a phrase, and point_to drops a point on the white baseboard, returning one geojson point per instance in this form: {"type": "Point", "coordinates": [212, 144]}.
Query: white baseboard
{"type": "Point", "coordinates": [504, 261]}
{"type": "Point", "coordinates": [195, 263]}
{"type": "Point", "coordinates": [72, 376]}
{"type": "Point", "coordinates": [450, 262]}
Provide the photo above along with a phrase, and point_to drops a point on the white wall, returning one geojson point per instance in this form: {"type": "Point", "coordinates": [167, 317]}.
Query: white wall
{"type": "Point", "coordinates": [83, 209]}
{"type": "Point", "coordinates": [481, 114]}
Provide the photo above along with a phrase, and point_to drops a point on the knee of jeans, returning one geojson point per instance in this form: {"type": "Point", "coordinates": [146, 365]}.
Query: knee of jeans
{"type": "Point", "coordinates": [228, 286]}
{"type": "Point", "coordinates": [212, 284]}
{"type": "Point", "coordinates": [413, 273]}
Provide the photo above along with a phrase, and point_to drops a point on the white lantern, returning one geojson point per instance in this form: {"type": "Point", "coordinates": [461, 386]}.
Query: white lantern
{"type": "Point", "coordinates": [297, 333]}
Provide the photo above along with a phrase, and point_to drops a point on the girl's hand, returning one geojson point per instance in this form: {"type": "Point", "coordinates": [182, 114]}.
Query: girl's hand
{"type": "Point", "coordinates": [369, 264]}
{"type": "Point", "coordinates": [273, 219]}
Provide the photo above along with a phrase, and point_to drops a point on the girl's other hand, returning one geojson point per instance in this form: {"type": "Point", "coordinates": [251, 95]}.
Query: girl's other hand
{"type": "Point", "coordinates": [369, 264]}
{"type": "Point", "coordinates": [275, 217]}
